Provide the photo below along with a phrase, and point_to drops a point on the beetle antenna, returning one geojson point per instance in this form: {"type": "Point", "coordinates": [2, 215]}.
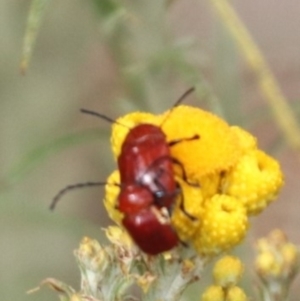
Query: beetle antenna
{"type": "Point", "coordinates": [183, 97]}
{"type": "Point", "coordinates": [102, 116]}
{"type": "Point", "coordinates": [178, 102]}
{"type": "Point", "coordinates": [75, 186]}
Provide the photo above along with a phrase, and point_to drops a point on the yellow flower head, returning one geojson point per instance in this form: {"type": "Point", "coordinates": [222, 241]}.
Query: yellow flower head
{"type": "Point", "coordinates": [228, 271]}
{"type": "Point", "coordinates": [235, 293]}
{"type": "Point", "coordinates": [255, 180]}
{"type": "Point", "coordinates": [222, 176]}
{"type": "Point", "coordinates": [217, 148]}
{"type": "Point", "coordinates": [118, 236]}
{"type": "Point", "coordinates": [217, 293]}
{"type": "Point", "coordinates": [213, 293]}
{"type": "Point", "coordinates": [92, 254]}
{"type": "Point", "coordinates": [224, 225]}
{"type": "Point", "coordinates": [277, 259]}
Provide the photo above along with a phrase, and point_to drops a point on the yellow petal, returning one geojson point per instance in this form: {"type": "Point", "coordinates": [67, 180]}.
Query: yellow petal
{"type": "Point", "coordinates": [213, 293]}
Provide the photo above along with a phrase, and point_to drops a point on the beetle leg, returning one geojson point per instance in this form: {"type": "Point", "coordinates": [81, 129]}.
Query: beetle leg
{"type": "Point", "coordinates": [184, 176]}
{"type": "Point", "coordinates": [181, 205]}
{"type": "Point", "coordinates": [176, 141]}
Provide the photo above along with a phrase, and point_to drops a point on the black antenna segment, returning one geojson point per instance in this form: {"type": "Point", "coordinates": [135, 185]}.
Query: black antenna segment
{"type": "Point", "coordinates": [183, 97]}
{"type": "Point", "coordinates": [102, 116]}
{"type": "Point", "coordinates": [75, 186]}
{"type": "Point", "coordinates": [178, 102]}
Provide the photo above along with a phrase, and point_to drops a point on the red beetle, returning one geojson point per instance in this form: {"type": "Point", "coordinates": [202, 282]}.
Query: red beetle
{"type": "Point", "coordinates": [148, 188]}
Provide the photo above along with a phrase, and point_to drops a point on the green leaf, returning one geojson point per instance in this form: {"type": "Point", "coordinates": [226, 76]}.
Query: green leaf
{"type": "Point", "coordinates": [36, 13]}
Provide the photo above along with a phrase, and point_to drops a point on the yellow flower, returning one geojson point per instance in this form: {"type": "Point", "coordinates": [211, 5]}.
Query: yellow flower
{"type": "Point", "coordinates": [255, 180]}
{"type": "Point", "coordinates": [223, 177]}
{"type": "Point", "coordinates": [92, 254]}
{"type": "Point", "coordinates": [89, 247]}
{"type": "Point", "coordinates": [246, 140]}
{"type": "Point", "coordinates": [228, 271]}
{"type": "Point", "coordinates": [117, 236]}
{"type": "Point", "coordinates": [235, 293]}
{"type": "Point", "coordinates": [277, 258]}
{"type": "Point", "coordinates": [290, 255]}
{"type": "Point", "coordinates": [266, 264]}
{"type": "Point", "coordinates": [224, 225]}
{"type": "Point", "coordinates": [217, 293]}
{"type": "Point", "coordinates": [217, 148]}
{"type": "Point", "coordinates": [213, 293]}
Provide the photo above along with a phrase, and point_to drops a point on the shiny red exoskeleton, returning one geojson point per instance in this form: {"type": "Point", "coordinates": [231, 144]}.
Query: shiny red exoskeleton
{"type": "Point", "coordinates": [146, 160]}
{"type": "Point", "coordinates": [150, 232]}
{"type": "Point", "coordinates": [148, 189]}
{"type": "Point", "coordinates": [148, 225]}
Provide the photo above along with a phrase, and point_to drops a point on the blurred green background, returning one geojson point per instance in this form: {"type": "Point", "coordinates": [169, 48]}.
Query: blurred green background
{"type": "Point", "coordinates": [46, 143]}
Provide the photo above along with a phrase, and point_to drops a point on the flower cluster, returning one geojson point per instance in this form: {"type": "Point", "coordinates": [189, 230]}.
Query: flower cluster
{"type": "Point", "coordinates": [226, 273]}
{"type": "Point", "coordinates": [276, 264]}
{"type": "Point", "coordinates": [227, 178]}
{"type": "Point", "coordinates": [107, 272]}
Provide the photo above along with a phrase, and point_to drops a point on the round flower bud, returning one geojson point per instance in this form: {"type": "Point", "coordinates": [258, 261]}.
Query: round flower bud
{"type": "Point", "coordinates": [235, 293]}
{"type": "Point", "coordinates": [224, 225]}
{"type": "Point", "coordinates": [213, 293]}
{"type": "Point", "coordinates": [255, 180]}
{"type": "Point", "coordinates": [228, 271]}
